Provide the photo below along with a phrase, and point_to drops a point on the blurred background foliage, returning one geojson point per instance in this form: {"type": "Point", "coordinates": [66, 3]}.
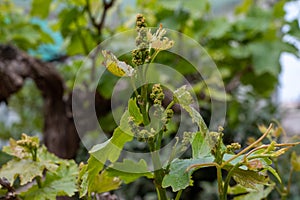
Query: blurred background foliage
{"type": "Point", "coordinates": [244, 38]}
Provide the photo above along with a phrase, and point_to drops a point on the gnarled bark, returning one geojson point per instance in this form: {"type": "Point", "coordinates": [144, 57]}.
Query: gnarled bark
{"type": "Point", "coordinates": [60, 135]}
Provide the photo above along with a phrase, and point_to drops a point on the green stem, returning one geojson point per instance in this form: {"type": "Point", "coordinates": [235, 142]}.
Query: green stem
{"type": "Point", "coordinates": [260, 156]}
{"type": "Point", "coordinates": [143, 104]}
{"type": "Point", "coordinates": [159, 139]}
{"type": "Point", "coordinates": [158, 172]}
{"type": "Point", "coordinates": [222, 194]}
{"type": "Point", "coordinates": [178, 195]}
{"type": "Point", "coordinates": [143, 77]}
{"type": "Point", "coordinates": [154, 145]}
{"type": "Point", "coordinates": [203, 165]}
{"type": "Point", "coordinates": [39, 181]}
{"type": "Point", "coordinates": [134, 87]}
{"type": "Point", "coordinates": [140, 77]}
{"type": "Point", "coordinates": [152, 59]}
{"type": "Point", "coordinates": [172, 154]}
{"type": "Point", "coordinates": [228, 178]}
{"type": "Point", "coordinates": [266, 146]}
{"type": "Point", "coordinates": [34, 154]}
{"type": "Point", "coordinates": [281, 189]}
{"type": "Point", "coordinates": [143, 101]}
{"type": "Point", "coordinates": [34, 159]}
{"type": "Point", "coordinates": [170, 105]}
{"type": "Point", "coordinates": [289, 182]}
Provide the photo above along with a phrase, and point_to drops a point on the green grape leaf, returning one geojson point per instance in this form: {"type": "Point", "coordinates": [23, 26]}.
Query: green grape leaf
{"type": "Point", "coordinates": [267, 161]}
{"type": "Point", "coordinates": [135, 111]}
{"type": "Point", "coordinates": [111, 149]}
{"type": "Point", "coordinates": [23, 147]}
{"type": "Point", "coordinates": [62, 182]}
{"type": "Point", "coordinates": [15, 150]}
{"type": "Point", "coordinates": [274, 172]}
{"type": "Point", "coordinates": [249, 179]}
{"type": "Point", "coordinates": [75, 45]}
{"type": "Point", "coordinates": [49, 160]}
{"type": "Point", "coordinates": [217, 28]}
{"type": "Point", "coordinates": [196, 8]}
{"type": "Point", "coordinates": [217, 94]}
{"type": "Point", "coordinates": [129, 170]}
{"type": "Point", "coordinates": [268, 80]}
{"type": "Point", "coordinates": [263, 64]}
{"type": "Point", "coordinates": [66, 18]}
{"type": "Point", "coordinates": [23, 166]}
{"type": "Point", "coordinates": [197, 118]}
{"type": "Point", "coordinates": [294, 30]}
{"type": "Point", "coordinates": [40, 8]}
{"type": "Point", "coordinates": [185, 99]}
{"type": "Point", "coordinates": [82, 180]}
{"type": "Point", "coordinates": [238, 189]}
{"type": "Point", "coordinates": [179, 178]}
{"type": "Point", "coordinates": [278, 9]}
{"type": "Point", "coordinates": [295, 161]}
{"type": "Point", "coordinates": [239, 52]}
{"type": "Point", "coordinates": [26, 169]}
{"type": "Point", "coordinates": [107, 151]}
{"type": "Point", "coordinates": [105, 183]}
{"type": "Point", "coordinates": [244, 7]}
{"type": "Point", "coordinates": [45, 37]}
{"type": "Point", "coordinates": [235, 161]}
{"type": "Point", "coordinates": [260, 193]}
{"type": "Point", "coordinates": [158, 117]}
{"type": "Point", "coordinates": [200, 145]}
{"type": "Point", "coordinates": [88, 175]}
{"type": "Point", "coordinates": [182, 96]}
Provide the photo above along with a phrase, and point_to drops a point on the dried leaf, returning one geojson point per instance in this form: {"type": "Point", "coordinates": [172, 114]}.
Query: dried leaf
{"type": "Point", "coordinates": [115, 66]}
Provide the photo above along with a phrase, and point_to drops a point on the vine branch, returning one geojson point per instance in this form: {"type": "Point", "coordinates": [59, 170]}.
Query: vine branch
{"type": "Point", "coordinates": [250, 146]}
{"type": "Point", "coordinates": [106, 7]}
